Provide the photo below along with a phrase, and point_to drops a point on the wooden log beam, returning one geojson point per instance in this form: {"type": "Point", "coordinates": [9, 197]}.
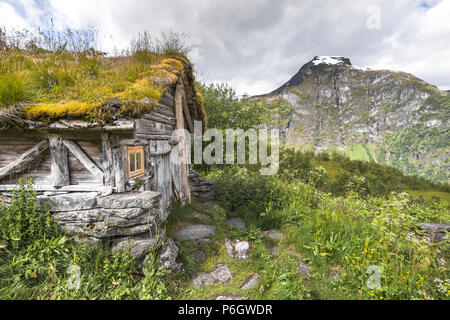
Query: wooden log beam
{"type": "Point", "coordinates": [25, 160]}
{"type": "Point", "coordinates": [60, 163]}
{"type": "Point", "coordinates": [181, 140]}
{"type": "Point", "coordinates": [160, 118]}
{"type": "Point", "coordinates": [187, 115]}
{"type": "Point", "coordinates": [84, 159]}
{"type": "Point", "coordinates": [164, 110]}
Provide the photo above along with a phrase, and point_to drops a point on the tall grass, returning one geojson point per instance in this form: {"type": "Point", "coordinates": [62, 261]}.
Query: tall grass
{"type": "Point", "coordinates": [13, 89]}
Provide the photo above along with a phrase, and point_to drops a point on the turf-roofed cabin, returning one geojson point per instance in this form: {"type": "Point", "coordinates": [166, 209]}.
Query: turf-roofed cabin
{"type": "Point", "coordinates": [103, 166]}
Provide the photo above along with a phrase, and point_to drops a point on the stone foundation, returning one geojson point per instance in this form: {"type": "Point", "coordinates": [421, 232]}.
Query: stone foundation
{"type": "Point", "coordinates": [131, 221]}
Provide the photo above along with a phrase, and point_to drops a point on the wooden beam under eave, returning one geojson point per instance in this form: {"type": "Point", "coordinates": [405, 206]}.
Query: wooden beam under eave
{"type": "Point", "coordinates": [25, 160]}
{"type": "Point", "coordinates": [60, 163]}
{"type": "Point", "coordinates": [179, 91]}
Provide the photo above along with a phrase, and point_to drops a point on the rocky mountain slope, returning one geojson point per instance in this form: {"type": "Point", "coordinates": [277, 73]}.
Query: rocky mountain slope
{"type": "Point", "coordinates": [381, 115]}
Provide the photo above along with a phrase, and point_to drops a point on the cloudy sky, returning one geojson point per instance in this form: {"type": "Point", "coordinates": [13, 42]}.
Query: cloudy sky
{"type": "Point", "coordinates": [257, 45]}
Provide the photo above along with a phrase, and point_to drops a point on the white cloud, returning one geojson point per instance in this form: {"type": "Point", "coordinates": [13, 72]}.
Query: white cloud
{"type": "Point", "coordinates": [258, 45]}
{"type": "Point", "coordinates": [10, 18]}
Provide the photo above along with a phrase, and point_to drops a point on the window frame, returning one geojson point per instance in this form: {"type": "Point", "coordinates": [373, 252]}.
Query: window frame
{"type": "Point", "coordinates": [138, 172]}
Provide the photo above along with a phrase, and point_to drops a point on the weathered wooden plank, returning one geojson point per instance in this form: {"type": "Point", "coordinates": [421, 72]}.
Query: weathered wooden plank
{"type": "Point", "coordinates": [164, 110]}
{"type": "Point", "coordinates": [161, 180]}
{"type": "Point", "coordinates": [60, 163]}
{"type": "Point", "coordinates": [150, 131]}
{"type": "Point", "coordinates": [108, 162]}
{"type": "Point", "coordinates": [175, 172]}
{"type": "Point", "coordinates": [168, 100]}
{"type": "Point", "coordinates": [119, 172]}
{"type": "Point", "coordinates": [133, 142]}
{"type": "Point", "coordinates": [146, 123]}
{"type": "Point", "coordinates": [123, 125]}
{"type": "Point", "coordinates": [160, 118]}
{"type": "Point", "coordinates": [181, 138]}
{"type": "Point", "coordinates": [84, 159]}
{"type": "Point", "coordinates": [25, 160]}
{"type": "Point", "coordinates": [153, 137]}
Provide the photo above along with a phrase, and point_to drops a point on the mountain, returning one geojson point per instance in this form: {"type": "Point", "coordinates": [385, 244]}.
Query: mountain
{"type": "Point", "coordinates": [385, 116]}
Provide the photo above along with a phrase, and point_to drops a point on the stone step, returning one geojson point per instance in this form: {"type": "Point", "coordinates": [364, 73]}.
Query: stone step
{"type": "Point", "coordinates": [194, 231]}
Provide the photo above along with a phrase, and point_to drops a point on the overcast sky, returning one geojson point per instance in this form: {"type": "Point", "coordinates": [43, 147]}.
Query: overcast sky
{"type": "Point", "coordinates": [257, 45]}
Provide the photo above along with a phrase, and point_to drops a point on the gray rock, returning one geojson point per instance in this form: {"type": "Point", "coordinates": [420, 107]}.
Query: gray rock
{"type": "Point", "coordinates": [251, 282]}
{"type": "Point", "coordinates": [237, 222]}
{"type": "Point", "coordinates": [194, 231]}
{"type": "Point", "coordinates": [237, 249]}
{"type": "Point", "coordinates": [221, 274]}
{"type": "Point", "coordinates": [303, 268]}
{"type": "Point", "coordinates": [144, 199]}
{"type": "Point", "coordinates": [207, 195]}
{"type": "Point", "coordinates": [103, 223]}
{"type": "Point", "coordinates": [273, 249]}
{"type": "Point", "coordinates": [210, 206]}
{"type": "Point", "coordinates": [200, 216]}
{"type": "Point", "coordinates": [273, 234]}
{"type": "Point", "coordinates": [168, 256]}
{"type": "Point", "coordinates": [199, 255]}
{"type": "Point", "coordinates": [436, 232]}
{"type": "Point", "coordinates": [68, 201]}
{"type": "Point", "coordinates": [138, 248]}
{"type": "Point", "coordinates": [231, 297]}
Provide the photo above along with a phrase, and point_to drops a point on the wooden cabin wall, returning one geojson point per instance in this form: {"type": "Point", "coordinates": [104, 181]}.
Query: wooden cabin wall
{"type": "Point", "coordinates": [12, 147]}
{"type": "Point", "coordinates": [157, 128]}
{"type": "Point", "coordinates": [78, 173]}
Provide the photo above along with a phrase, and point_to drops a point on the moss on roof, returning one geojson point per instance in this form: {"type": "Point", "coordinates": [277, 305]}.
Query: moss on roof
{"type": "Point", "coordinates": [49, 85]}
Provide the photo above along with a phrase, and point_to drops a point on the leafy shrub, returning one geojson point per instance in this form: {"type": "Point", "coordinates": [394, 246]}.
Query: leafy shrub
{"type": "Point", "coordinates": [20, 222]}
{"type": "Point", "coordinates": [238, 190]}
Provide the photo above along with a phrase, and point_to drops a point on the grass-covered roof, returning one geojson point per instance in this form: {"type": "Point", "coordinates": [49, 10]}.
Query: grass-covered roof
{"type": "Point", "coordinates": [46, 85]}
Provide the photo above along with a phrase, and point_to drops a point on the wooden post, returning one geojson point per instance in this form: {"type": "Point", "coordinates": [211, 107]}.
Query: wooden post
{"type": "Point", "coordinates": [108, 162]}
{"type": "Point", "coordinates": [60, 164]}
{"type": "Point", "coordinates": [119, 169]}
{"type": "Point", "coordinates": [181, 140]}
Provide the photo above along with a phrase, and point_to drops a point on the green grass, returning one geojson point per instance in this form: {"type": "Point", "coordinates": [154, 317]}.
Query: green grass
{"type": "Point", "coordinates": [358, 152]}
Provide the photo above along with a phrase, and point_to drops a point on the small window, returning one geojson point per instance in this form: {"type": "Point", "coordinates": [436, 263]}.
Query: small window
{"type": "Point", "coordinates": [135, 161]}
